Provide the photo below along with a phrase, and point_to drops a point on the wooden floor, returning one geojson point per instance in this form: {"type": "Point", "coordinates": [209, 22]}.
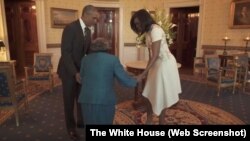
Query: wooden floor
{"type": "Point", "coordinates": [186, 71]}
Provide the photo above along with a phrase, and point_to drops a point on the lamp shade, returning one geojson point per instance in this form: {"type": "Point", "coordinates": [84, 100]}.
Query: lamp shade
{"type": "Point", "coordinates": [1, 43]}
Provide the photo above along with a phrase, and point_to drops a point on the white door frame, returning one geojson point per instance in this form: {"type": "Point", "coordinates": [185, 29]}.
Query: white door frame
{"type": "Point", "coordinates": [190, 3]}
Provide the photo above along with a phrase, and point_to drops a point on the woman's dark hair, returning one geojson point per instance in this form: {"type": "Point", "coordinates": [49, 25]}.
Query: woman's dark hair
{"type": "Point", "coordinates": [145, 20]}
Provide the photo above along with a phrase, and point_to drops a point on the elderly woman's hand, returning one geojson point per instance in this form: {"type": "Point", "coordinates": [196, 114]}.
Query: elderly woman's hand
{"type": "Point", "coordinates": [78, 78]}
{"type": "Point", "coordinates": [139, 77]}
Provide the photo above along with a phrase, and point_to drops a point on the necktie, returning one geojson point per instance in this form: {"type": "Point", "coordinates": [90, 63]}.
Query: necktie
{"type": "Point", "coordinates": [87, 39]}
{"type": "Point", "coordinates": [86, 31]}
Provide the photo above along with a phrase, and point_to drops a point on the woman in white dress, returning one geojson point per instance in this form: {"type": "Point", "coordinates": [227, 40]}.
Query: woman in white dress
{"type": "Point", "coordinates": [162, 86]}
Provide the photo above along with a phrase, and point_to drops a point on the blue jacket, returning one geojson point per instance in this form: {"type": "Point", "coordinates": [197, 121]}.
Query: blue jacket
{"type": "Point", "coordinates": [98, 72]}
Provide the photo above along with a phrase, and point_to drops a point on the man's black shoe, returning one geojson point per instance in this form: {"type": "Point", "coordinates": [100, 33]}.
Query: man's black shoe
{"type": "Point", "coordinates": [80, 125]}
{"type": "Point", "coordinates": [74, 136]}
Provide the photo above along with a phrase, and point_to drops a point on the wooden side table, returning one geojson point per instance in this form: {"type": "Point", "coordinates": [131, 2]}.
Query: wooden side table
{"type": "Point", "coordinates": [225, 58]}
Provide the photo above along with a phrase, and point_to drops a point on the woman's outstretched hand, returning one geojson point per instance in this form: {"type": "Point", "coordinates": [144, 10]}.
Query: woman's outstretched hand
{"type": "Point", "coordinates": [139, 77]}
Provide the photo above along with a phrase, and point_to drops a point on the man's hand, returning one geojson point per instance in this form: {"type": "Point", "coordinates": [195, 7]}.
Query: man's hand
{"type": "Point", "coordinates": [78, 77]}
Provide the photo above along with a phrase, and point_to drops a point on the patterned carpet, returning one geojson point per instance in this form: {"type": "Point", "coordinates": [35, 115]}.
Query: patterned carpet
{"type": "Point", "coordinates": [190, 92]}
{"type": "Point", "coordinates": [33, 90]}
{"type": "Point", "coordinates": [44, 121]}
{"type": "Point", "coordinates": [186, 112]}
{"type": "Point", "coordinates": [198, 105]}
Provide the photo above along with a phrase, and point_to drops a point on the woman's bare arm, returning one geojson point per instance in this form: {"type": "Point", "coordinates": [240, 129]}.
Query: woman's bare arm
{"type": "Point", "coordinates": [155, 53]}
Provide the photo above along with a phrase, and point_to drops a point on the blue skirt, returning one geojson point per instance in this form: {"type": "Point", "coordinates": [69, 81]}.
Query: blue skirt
{"type": "Point", "coordinates": [98, 114]}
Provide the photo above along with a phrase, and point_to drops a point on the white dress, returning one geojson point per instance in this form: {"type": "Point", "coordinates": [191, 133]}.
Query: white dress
{"type": "Point", "coordinates": [162, 86]}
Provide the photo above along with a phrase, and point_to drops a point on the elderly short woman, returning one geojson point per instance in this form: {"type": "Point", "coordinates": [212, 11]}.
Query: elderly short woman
{"type": "Point", "coordinates": [98, 72]}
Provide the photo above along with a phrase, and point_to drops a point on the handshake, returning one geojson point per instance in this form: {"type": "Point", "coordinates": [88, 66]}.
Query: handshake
{"type": "Point", "coordinates": [140, 77]}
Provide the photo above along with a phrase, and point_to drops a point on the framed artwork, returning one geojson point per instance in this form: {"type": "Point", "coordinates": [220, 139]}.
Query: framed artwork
{"type": "Point", "coordinates": [61, 17]}
{"type": "Point", "coordinates": [240, 14]}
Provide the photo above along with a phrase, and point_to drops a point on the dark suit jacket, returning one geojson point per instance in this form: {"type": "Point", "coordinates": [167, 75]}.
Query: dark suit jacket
{"type": "Point", "coordinates": [98, 73]}
{"type": "Point", "coordinates": [72, 49]}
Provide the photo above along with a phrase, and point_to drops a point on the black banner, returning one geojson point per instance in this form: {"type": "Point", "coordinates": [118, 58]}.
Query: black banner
{"type": "Point", "coordinates": [167, 132]}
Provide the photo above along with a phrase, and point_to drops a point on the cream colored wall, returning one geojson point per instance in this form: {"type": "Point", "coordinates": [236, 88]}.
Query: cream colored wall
{"type": "Point", "coordinates": [4, 53]}
{"type": "Point", "coordinates": [213, 24]}
{"type": "Point", "coordinates": [131, 53]}
{"type": "Point", "coordinates": [53, 35]}
{"type": "Point", "coordinates": [133, 5]}
{"type": "Point", "coordinates": [216, 25]}
{"type": "Point", "coordinates": [1, 20]}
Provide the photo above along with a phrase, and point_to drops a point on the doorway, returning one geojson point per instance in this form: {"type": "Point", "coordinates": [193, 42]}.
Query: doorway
{"type": "Point", "coordinates": [22, 32]}
{"type": "Point", "coordinates": [184, 46]}
{"type": "Point", "coordinates": [108, 27]}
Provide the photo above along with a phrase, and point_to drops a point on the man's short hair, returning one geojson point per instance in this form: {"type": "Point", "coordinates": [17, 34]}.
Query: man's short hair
{"type": "Point", "coordinates": [88, 9]}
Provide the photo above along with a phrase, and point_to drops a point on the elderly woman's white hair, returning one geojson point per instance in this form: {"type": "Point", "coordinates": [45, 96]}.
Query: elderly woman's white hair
{"type": "Point", "coordinates": [99, 45]}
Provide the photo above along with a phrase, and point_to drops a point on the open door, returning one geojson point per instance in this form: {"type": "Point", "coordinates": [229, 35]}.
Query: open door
{"type": "Point", "coordinates": [184, 47]}
{"type": "Point", "coordinates": [108, 27]}
{"type": "Point", "coordinates": [22, 32]}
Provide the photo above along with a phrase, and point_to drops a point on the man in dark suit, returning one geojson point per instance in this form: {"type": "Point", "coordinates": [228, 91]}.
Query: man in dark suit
{"type": "Point", "coordinates": [98, 72]}
{"type": "Point", "coordinates": [75, 42]}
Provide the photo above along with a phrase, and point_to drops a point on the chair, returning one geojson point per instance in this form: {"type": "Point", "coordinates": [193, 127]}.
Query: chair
{"type": "Point", "coordinates": [42, 70]}
{"type": "Point", "coordinates": [12, 96]}
{"type": "Point", "coordinates": [221, 77]}
{"type": "Point", "coordinates": [243, 74]}
{"type": "Point", "coordinates": [247, 81]}
{"type": "Point", "coordinates": [199, 62]}
{"type": "Point", "coordinates": [12, 64]}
